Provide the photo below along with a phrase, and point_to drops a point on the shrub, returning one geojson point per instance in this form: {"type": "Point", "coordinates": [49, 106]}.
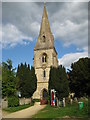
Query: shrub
{"type": "Point", "coordinates": [36, 100]}
{"type": "Point", "coordinates": [13, 101]}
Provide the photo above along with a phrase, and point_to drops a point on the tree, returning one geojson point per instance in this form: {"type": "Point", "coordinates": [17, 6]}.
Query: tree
{"type": "Point", "coordinates": [0, 72]}
{"type": "Point", "coordinates": [33, 79]}
{"type": "Point", "coordinates": [79, 77]}
{"type": "Point", "coordinates": [58, 81]}
{"type": "Point", "coordinates": [27, 82]}
{"type": "Point", "coordinates": [8, 79]}
{"type": "Point", "coordinates": [0, 81]}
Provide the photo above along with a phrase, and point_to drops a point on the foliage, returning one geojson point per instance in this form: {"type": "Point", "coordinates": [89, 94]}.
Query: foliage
{"type": "Point", "coordinates": [24, 81]}
{"type": "Point", "coordinates": [8, 79]}
{"type": "Point", "coordinates": [58, 81]}
{"type": "Point", "coordinates": [13, 101]}
{"type": "Point", "coordinates": [27, 82]}
{"type": "Point", "coordinates": [0, 72]}
{"type": "Point", "coordinates": [0, 81]}
{"type": "Point", "coordinates": [79, 77]}
{"type": "Point", "coordinates": [36, 100]}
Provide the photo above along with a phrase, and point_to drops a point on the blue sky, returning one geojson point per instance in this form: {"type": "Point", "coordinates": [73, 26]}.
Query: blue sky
{"type": "Point", "coordinates": [21, 25]}
{"type": "Point", "coordinates": [25, 53]}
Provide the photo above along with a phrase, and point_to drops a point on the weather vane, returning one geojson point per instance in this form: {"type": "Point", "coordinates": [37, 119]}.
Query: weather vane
{"type": "Point", "coordinates": [44, 2]}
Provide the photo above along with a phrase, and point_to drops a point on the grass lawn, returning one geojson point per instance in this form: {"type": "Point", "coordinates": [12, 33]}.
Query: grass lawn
{"type": "Point", "coordinates": [14, 109]}
{"type": "Point", "coordinates": [0, 77]}
{"type": "Point", "coordinates": [69, 111]}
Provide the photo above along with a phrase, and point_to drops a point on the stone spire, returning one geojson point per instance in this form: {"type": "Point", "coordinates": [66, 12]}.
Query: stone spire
{"type": "Point", "coordinates": [45, 39]}
{"type": "Point", "coordinates": [45, 23]}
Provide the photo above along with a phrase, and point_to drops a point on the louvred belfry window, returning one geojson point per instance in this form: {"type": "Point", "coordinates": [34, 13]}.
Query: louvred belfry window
{"type": "Point", "coordinates": [44, 73]}
{"type": "Point", "coordinates": [44, 58]}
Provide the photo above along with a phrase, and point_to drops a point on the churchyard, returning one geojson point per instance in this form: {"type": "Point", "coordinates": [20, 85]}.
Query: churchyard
{"type": "Point", "coordinates": [70, 111]}
{"type": "Point", "coordinates": [46, 81]}
{"type": "Point", "coordinates": [18, 101]}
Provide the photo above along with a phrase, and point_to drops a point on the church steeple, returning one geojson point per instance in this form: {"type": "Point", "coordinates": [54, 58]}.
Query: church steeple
{"type": "Point", "coordinates": [45, 39]}
{"type": "Point", "coordinates": [45, 27]}
{"type": "Point", "coordinates": [45, 56]}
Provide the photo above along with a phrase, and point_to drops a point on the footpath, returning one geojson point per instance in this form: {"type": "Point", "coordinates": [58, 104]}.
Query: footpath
{"type": "Point", "coordinates": [26, 113]}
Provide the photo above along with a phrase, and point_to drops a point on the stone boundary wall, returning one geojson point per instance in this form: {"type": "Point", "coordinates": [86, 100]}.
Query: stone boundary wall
{"type": "Point", "coordinates": [22, 101]}
{"type": "Point", "coordinates": [4, 103]}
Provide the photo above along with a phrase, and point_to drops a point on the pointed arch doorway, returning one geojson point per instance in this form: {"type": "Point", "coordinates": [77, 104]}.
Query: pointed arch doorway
{"type": "Point", "coordinates": [44, 97]}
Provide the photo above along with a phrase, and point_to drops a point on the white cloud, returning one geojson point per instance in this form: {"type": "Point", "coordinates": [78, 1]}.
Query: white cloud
{"type": "Point", "coordinates": [68, 21]}
{"type": "Point", "coordinates": [21, 24]}
{"type": "Point", "coordinates": [11, 36]}
{"type": "Point", "coordinates": [71, 33]}
{"type": "Point", "coordinates": [70, 25]}
{"type": "Point", "coordinates": [0, 34]}
{"type": "Point", "coordinates": [45, 0]}
{"type": "Point", "coordinates": [0, 37]}
{"type": "Point", "coordinates": [0, 43]}
{"type": "Point", "coordinates": [70, 58]}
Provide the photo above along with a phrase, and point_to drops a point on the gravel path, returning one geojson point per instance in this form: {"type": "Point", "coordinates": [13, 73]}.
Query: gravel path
{"type": "Point", "coordinates": [26, 113]}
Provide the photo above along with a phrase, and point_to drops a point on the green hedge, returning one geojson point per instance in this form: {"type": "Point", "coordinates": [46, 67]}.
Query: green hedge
{"type": "Point", "coordinates": [36, 100]}
{"type": "Point", "coordinates": [13, 101]}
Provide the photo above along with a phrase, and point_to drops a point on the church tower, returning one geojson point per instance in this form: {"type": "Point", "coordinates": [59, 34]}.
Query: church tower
{"type": "Point", "coordinates": [45, 56]}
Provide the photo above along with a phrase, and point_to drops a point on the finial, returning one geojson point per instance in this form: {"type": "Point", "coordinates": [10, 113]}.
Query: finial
{"type": "Point", "coordinates": [44, 2]}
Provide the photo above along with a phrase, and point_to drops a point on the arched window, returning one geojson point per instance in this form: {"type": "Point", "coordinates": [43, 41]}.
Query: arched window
{"type": "Point", "coordinates": [44, 58]}
{"type": "Point", "coordinates": [44, 73]}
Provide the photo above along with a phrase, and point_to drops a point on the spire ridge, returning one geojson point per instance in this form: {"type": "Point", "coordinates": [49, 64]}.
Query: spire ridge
{"type": "Point", "coordinates": [45, 36]}
{"type": "Point", "coordinates": [45, 22]}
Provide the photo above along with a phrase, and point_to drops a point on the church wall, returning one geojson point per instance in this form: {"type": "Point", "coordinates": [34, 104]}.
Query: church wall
{"type": "Point", "coordinates": [39, 68]}
{"type": "Point", "coordinates": [39, 74]}
{"type": "Point", "coordinates": [38, 57]}
{"type": "Point", "coordinates": [40, 86]}
{"type": "Point", "coordinates": [55, 60]}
